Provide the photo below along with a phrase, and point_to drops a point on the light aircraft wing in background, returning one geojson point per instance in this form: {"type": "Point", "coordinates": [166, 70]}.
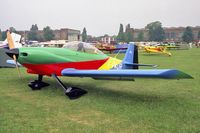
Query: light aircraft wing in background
{"type": "Point", "coordinates": [12, 62]}
{"type": "Point", "coordinates": [111, 49]}
{"type": "Point", "coordinates": [158, 49]}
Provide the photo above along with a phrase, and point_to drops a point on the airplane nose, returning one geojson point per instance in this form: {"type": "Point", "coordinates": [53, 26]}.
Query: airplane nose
{"type": "Point", "coordinates": [11, 52]}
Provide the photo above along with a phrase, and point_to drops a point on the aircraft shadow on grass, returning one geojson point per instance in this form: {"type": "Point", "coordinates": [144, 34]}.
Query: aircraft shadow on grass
{"type": "Point", "coordinates": [106, 93]}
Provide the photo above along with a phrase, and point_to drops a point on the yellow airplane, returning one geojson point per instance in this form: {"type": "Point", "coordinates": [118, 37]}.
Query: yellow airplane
{"type": "Point", "coordinates": [157, 49]}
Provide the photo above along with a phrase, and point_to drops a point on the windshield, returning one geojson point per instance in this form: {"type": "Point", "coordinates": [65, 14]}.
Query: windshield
{"type": "Point", "coordinates": [82, 47]}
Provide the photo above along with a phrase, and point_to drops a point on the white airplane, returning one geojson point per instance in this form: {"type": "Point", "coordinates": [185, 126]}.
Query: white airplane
{"type": "Point", "coordinates": [16, 39]}
{"type": "Point", "coordinates": [4, 44]}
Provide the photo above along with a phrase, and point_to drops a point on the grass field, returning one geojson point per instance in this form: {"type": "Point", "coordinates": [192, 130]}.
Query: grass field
{"type": "Point", "coordinates": [146, 105]}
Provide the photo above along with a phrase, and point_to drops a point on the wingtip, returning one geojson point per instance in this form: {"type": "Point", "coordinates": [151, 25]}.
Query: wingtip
{"type": "Point", "coordinates": [176, 74]}
{"type": "Point", "coordinates": [183, 75]}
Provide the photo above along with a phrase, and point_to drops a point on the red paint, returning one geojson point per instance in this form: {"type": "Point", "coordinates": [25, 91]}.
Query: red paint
{"type": "Point", "coordinates": [158, 49]}
{"type": "Point", "coordinates": [56, 68]}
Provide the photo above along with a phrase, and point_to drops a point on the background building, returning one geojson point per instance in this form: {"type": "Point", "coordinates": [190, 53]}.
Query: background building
{"type": "Point", "coordinates": [107, 39]}
{"type": "Point", "coordinates": [67, 34]}
{"type": "Point", "coordinates": [62, 34]}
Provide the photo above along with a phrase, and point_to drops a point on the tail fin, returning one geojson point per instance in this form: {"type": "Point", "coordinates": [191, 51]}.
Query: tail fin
{"type": "Point", "coordinates": [130, 60]}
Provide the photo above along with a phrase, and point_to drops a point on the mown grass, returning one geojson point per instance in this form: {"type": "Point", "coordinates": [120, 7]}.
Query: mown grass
{"type": "Point", "coordinates": [146, 105]}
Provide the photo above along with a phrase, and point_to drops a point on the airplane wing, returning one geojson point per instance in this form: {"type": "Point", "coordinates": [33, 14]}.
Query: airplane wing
{"type": "Point", "coordinates": [161, 73]}
{"type": "Point", "coordinates": [112, 49]}
{"type": "Point", "coordinates": [12, 62]}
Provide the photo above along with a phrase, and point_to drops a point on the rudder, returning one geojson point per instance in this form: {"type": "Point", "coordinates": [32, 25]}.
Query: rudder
{"type": "Point", "coordinates": [130, 60]}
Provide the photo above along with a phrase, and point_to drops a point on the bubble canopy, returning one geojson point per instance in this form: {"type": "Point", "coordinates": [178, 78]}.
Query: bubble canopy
{"type": "Point", "coordinates": [82, 47]}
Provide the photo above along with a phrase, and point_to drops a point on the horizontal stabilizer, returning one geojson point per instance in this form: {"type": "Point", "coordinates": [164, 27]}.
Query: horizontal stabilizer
{"type": "Point", "coordinates": [149, 65]}
{"type": "Point", "coordinates": [161, 73]}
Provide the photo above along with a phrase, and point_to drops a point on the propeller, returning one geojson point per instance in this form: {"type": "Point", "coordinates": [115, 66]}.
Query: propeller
{"type": "Point", "coordinates": [13, 52]}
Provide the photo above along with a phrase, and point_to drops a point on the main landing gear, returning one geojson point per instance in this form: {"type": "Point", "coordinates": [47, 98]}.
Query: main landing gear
{"type": "Point", "coordinates": [71, 92]}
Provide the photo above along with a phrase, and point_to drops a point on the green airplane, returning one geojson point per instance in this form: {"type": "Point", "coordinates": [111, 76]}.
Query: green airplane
{"type": "Point", "coordinates": [82, 60]}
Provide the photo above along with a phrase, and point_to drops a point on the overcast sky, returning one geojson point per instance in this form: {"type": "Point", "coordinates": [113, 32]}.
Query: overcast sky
{"type": "Point", "coordinates": [98, 16]}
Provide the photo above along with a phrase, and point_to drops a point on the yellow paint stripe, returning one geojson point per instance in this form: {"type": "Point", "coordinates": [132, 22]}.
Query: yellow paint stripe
{"type": "Point", "coordinates": [153, 49]}
{"type": "Point", "coordinates": [110, 63]}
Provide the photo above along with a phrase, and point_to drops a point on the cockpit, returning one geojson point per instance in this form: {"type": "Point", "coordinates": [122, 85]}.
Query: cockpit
{"type": "Point", "coordinates": [82, 47]}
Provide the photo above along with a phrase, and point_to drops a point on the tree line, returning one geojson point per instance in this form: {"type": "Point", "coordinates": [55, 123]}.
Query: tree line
{"type": "Point", "coordinates": [47, 33]}
{"type": "Point", "coordinates": [33, 33]}
{"type": "Point", "coordinates": [155, 33]}
{"type": "Point", "coordinates": [3, 33]}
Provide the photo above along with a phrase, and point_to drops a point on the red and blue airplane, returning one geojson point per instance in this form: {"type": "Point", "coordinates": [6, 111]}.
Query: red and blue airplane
{"type": "Point", "coordinates": [83, 60]}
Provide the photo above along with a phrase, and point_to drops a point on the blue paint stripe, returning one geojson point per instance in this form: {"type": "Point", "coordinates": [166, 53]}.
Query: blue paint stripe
{"type": "Point", "coordinates": [161, 73]}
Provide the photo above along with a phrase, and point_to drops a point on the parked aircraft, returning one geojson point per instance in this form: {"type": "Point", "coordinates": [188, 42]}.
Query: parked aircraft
{"type": "Point", "coordinates": [16, 40]}
{"type": "Point", "coordinates": [110, 48]}
{"type": "Point", "coordinates": [83, 60]}
{"type": "Point", "coordinates": [157, 49]}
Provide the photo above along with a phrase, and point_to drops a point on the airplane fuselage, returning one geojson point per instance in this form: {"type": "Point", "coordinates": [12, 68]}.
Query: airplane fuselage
{"type": "Point", "coordinates": [47, 61]}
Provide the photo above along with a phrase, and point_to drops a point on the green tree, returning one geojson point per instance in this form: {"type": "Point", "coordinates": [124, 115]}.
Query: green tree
{"type": "Point", "coordinates": [128, 34]}
{"type": "Point", "coordinates": [121, 36]}
{"type": "Point", "coordinates": [0, 35]}
{"type": "Point", "coordinates": [3, 35]}
{"type": "Point", "coordinates": [84, 35]}
{"type": "Point", "coordinates": [106, 35]}
{"type": "Point", "coordinates": [140, 36]}
{"type": "Point", "coordinates": [156, 32]}
{"type": "Point", "coordinates": [198, 35]}
{"type": "Point", "coordinates": [48, 34]}
{"type": "Point", "coordinates": [12, 29]}
{"type": "Point", "coordinates": [32, 34]}
{"type": "Point", "coordinates": [188, 35]}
